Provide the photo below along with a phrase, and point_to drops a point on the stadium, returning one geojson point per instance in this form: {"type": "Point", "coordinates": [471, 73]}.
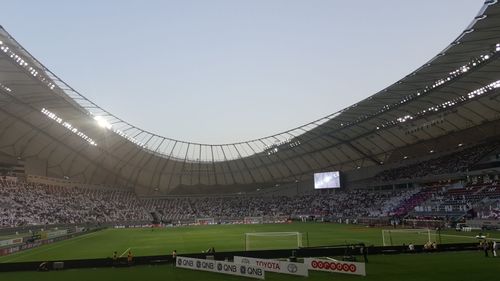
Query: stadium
{"type": "Point", "coordinates": [402, 185]}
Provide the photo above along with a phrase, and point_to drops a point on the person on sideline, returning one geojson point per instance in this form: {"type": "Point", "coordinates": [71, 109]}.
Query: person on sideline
{"type": "Point", "coordinates": [174, 257]}
{"type": "Point", "coordinates": [494, 248]}
{"type": "Point", "coordinates": [130, 258]}
{"type": "Point", "coordinates": [115, 258]}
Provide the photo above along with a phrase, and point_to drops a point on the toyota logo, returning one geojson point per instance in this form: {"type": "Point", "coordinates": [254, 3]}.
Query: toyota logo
{"type": "Point", "coordinates": [292, 268]}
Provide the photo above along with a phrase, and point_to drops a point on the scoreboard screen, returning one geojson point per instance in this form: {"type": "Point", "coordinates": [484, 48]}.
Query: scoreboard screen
{"type": "Point", "coordinates": [327, 180]}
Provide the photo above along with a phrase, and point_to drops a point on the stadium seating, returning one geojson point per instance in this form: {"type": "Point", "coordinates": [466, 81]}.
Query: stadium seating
{"type": "Point", "coordinates": [39, 204]}
{"type": "Point", "coordinates": [480, 200]}
{"type": "Point", "coordinates": [458, 161]}
{"type": "Point", "coordinates": [25, 204]}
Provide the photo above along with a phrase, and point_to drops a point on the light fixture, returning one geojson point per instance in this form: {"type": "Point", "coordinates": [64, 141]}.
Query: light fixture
{"type": "Point", "coordinates": [103, 123]}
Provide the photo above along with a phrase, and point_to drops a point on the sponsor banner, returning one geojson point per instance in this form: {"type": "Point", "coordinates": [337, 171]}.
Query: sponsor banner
{"type": "Point", "coordinates": [17, 240]}
{"type": "Point", "coordinates": [220, 267]}
{"type": "Point", "coordinates": [14, 249]}
{"type": "Point", "coordinates": [11, 242]}
{"type": "Point", "coordinates": [347, 267]}
{"type": "Point", "coordinates": [25, 246]}
{"type": "Point", "coordinates": [286, 267]}
{"type": "Point", "coordinates": [7, 251]}
{"type": "Point", "coordinates": [240, 269]}
{"type": "Point", "coordinates": [196, 264]}
{"type": "Point", "coordinates": [57, 233]}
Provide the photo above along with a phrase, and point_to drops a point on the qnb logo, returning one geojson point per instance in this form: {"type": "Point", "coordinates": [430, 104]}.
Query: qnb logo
{"type": "Point", "coordinates": [208, 265]}
{"type": "Point", "coordinates": [252, 271]}
{"type": "Point", "coordinates": [204, 265]}
{"type": "Point", "coordinates": [292, 268]}
{"type": "Point", "coordinates": [333, 266]}
{"type": "Point", "coordinates": [227, 267]}
{"type": "Point", "coordinates": [245, 261]}
{"type": "Point", "coordinates": [189, 263]}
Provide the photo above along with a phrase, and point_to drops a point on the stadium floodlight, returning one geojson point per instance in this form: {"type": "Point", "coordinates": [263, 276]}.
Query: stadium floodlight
{"type": "Point", "coordinates": [68, 126]}
{"type": "Point", "coordinates": [102, 122]}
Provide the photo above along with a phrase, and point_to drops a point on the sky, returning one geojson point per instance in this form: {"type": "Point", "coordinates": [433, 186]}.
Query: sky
{"type": "Point", "coordinates": [224, 71]}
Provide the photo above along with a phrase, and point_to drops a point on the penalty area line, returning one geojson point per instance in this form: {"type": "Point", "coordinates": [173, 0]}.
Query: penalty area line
{"type": "Point", "coordinates": [465, 236]}
{"type": "Point", "coordinates": [125, 252]}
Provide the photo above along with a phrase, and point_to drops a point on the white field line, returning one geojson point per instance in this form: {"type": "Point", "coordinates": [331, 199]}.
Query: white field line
{"type": "Point", "coordinates": [465, 236]}
{"type": "Point", "coordinates": [49, 246]}
{"type": "Point", "coordinates": [125, 252]}
{"type": "Point", "coordinates": [461, 236]}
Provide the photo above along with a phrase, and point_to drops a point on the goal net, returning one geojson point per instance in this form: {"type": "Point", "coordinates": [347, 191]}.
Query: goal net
{"type": "Point", "coordinates": [204, 221]}
{"type": "Point", "coordinates": [272, 240]}
{"type": "Point", "coordinates": [253, 220]}
{"type": "Point", "coordinates": [398, 237]}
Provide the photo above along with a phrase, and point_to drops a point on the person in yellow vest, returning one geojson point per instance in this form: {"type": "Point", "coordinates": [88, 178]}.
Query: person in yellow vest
{"type": "Point", "coordinates": [174, 256]}
{"type": "Point", "coordinates": [130, 258]}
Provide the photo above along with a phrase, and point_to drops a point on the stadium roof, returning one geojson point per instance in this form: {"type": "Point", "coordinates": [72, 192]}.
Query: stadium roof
{"type": "Point", "coordinates": [44, 119]}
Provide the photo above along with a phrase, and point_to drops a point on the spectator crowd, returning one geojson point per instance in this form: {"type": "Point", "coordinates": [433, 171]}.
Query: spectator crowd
{"type": "Point", "coordinates": [23, 204]}
{"type": "Point", "coordinates": [459, 161]}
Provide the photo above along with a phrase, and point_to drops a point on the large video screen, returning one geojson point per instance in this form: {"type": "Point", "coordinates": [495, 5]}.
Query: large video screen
{"type": "Point", "coordinates": [327, 180]}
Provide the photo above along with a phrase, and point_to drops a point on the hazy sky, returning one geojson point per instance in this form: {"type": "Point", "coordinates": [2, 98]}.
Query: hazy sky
{"type": "Point", "coordinates": [223, 71]}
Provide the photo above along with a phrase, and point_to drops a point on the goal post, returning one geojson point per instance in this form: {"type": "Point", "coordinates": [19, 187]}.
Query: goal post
{"type": "Point", "coordinates": [253, 220]}
{"type": "Point", "coordinates": [272, 240]}
{"type": "Point", "coordinates": [204, 221]}
{"type": "Point", "coordinates": [391, 237]}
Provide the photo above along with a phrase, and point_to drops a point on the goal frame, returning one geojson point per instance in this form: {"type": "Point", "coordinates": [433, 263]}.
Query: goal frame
{"type": "Point", "coordinates": [253, 220]}
{"type": "Point", "coordinates": [388, 242]}
{"type": "Point", "coordinates": [299, 236]}
{"type": "Point", "coordinates": [205, 221]}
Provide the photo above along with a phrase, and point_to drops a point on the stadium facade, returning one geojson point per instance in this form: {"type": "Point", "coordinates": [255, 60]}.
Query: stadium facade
{"type": "Point", "coordinates": [51, 130]}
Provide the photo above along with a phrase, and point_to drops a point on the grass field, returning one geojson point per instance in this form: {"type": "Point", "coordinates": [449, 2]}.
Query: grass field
{"type": "Point", "coordinates": [459, 266]}
{"type": "Point", "coordinates": [194, 239]}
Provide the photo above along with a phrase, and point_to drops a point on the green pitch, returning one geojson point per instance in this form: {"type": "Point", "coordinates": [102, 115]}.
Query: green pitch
{"type": "Point", "coordinates": [195, 239]}
{"type": "Point", "coordinates": [436, 266]}
{"type": "Point", "coordinates": [459, 266]}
